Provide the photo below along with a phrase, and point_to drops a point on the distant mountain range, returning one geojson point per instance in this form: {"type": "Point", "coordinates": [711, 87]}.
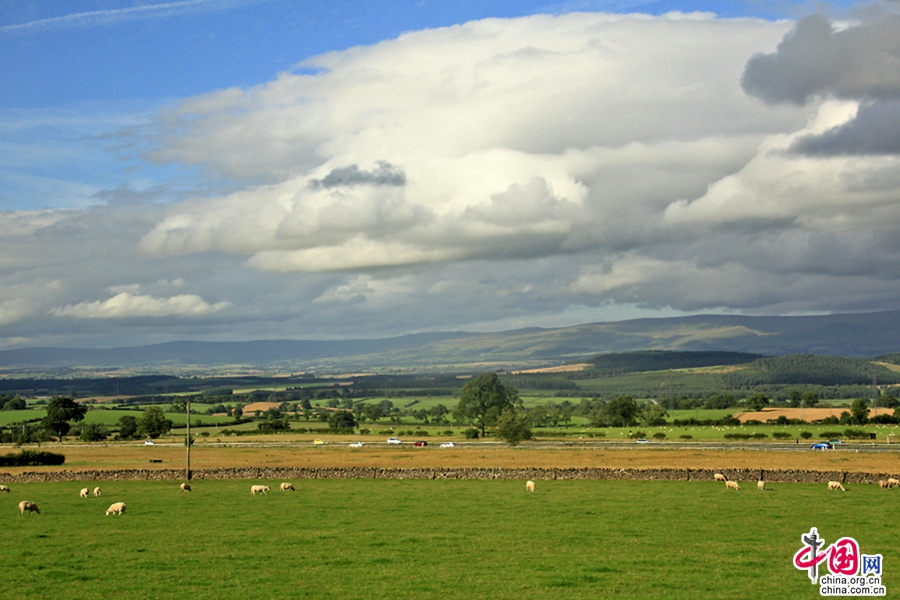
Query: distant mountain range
{"type": "Point", "coordinates": [854, 335]}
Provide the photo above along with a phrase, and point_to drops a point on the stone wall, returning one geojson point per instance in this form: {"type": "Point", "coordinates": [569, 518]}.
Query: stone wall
{"type": "Point", "coordinates": [775, 476]}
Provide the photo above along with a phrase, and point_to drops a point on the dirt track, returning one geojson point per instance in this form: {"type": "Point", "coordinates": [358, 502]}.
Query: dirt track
{"type": "Point", "coordinates": [337, 454]}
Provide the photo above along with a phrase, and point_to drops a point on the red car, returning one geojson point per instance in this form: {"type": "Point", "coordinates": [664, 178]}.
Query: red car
{"type": "Point", "coordinates": [420, 443]}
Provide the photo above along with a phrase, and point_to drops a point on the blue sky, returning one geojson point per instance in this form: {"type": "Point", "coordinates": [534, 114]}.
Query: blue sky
{"type": "Point", "coordinates": [492, 165]}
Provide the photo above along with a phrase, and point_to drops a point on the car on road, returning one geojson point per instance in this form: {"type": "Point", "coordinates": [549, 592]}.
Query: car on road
{"type": "Point", "coordinates": [318, 442]}
{"type": "Point", "coordinates": [149, 443]}
{"type": "Point", "coordinates": [394, 440]}
{"type": "Point", "coordinates": [448, 445]}
{"type": "Point", "coordinates": [821, 446]}
{"type": "Point", "coordinates": [357, 445]}
{"type": "Point", "coordinates": [642, 441]}
{"type": "Point", "coordinates": [420, 444]}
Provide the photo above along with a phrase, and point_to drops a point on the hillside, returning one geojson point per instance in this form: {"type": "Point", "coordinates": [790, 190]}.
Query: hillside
{"type": "Point", "coordinates": [852, 335]}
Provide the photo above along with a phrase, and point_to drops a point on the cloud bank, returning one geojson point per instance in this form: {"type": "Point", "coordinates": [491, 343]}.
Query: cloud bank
{"type": "Point", "coordinates": [502, 173]}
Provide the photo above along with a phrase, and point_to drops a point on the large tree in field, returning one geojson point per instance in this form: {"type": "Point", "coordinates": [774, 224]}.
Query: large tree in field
{"type": "Point", "coordinates": [514, 426]}
{"type": "Point", "coordinates": [621, 412]}
{"type": "Point", "coordinates": [483, 399]}
{"type": "Point", "coordinates": [59, 412]}
{"type": "Point", "coordinates": [153, 423]}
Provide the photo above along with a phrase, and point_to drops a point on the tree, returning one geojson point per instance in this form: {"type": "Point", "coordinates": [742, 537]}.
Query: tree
{"type": "Point", "coordinates": [153, 423]}
{"type": "Point", "coordinates": [810, 399]}
{"type": "Point", "coordinates": [883, 401]}
{"type": "Point", "coordinates": [59, 412]}
{"type": "Point", "coordinates": [653, 415]}
{"type": "Point", "coordinates": [859, 411]}
{"type": "Point", "coordinates": [15, 404]}
{"type": "Point", "coordinates": [621, 412]}
{"type": "Point", "coordinates": [342, 419]}
{"type": "Point", "coordinates": [93, 432]}
{"type": "Point", "coordinates": [757, 401]}
{"type": "Point", "coordinates": [719, 401]}
{"type": "Point", "coordinates": [128, 426]}
{"type": "Point", "coordinates": [514, 427]}
{"type": "Point", "coordinates": [482, 400]}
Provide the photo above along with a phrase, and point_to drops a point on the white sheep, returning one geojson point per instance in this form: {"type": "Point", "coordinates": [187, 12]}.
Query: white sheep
{"type": "Point", "coordinates": [96, 492]}
{"type": "Point", "coordinates": [185, 487]}
{"type": "Point", "coordinates": [84, 492]}
{"type": "Point", "coordinates": [31, 507]}
{"type": "Point", "coordinates": [884, 484]}
{"type": "Point", "coordinates": [892, 482]}
{"type": "Point", "coordinates": [719, 477]}
{"type": "Point", "coordinates": [835, 485]}
{"type": "Point", "coordinates": [732, 484]}
{"type": "Point", "coordinates": [262, 489]}
{"type": "Point", "coordinates": [116, 508]}
{"type": "Point", "coordinates": [529, 486]}
{"type": "Point", "coordinates": [761, 485]}
{"type": "Point", "coordinates": [4, 489]}
{"type": "Point", "coordinates": [287, 487]}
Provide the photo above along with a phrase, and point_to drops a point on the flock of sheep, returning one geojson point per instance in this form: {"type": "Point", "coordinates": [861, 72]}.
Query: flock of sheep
{"type": "Point", "coordinates": [760, 485]}
{"type": "Point", "coordinates": [832, 485]}
{"type": "Point", "coordinates": [118, 508]}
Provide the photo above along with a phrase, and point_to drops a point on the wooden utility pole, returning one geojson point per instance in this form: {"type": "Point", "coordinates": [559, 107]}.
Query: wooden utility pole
{"type": "Point", "coordinates": [187, 441]}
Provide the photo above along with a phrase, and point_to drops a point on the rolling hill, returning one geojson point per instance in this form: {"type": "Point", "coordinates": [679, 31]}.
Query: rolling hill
{"type": "Point", "coordinates": [853, 335]}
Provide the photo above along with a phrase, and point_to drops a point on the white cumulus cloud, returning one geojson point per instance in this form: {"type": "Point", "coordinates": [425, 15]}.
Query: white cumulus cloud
{"type": "Point", "coordinates": [497, 139]}
{"type": "Point", "coordinates": [125, 305]}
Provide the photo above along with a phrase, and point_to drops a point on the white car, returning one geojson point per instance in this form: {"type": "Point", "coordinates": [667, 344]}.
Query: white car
{"type": "Point", "coordinates": [394, 441]}
{"type": "Point", "coordinates": [149, 443]}
{"type": "Point", "coordinates": [356, 445]}
{"type": "Point", "coordinates": [448, 445]}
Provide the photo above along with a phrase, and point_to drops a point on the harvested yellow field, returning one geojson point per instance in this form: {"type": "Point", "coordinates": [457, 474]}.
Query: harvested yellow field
{"type": "Point", "coordinates": [249, 409]}
{"type": "Point", "coordinates": [337, 454]}
{"type": "Point", "coordinates": [559, 369]}
{"type": "Point", "coordinates": [805, 414]}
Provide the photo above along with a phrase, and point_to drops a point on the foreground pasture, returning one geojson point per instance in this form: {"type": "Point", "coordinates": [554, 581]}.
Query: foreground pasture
{"type": "Point", "coordinates": [429, 539]}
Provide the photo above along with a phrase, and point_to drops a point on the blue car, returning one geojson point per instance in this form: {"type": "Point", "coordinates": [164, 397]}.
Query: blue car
{"type": "Point", "coordinates": [821, 446]}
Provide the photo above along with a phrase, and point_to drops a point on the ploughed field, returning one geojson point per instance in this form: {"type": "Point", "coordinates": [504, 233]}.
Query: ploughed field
{"type": "Point", "coordinates": [346, 539]}
{"type": "Point", "coordinates": [377, 454]}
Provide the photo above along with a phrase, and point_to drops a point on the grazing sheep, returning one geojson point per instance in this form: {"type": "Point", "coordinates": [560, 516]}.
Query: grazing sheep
{"type": "Point", "coordinates": [96, 492]}
{"type": "Point", "coordinates": [836, 485]}
{"type": "Point", "coordinates": [287, 487]}
{"type": "Point", "coordinates": [719, 477]}
{"type": "Point", "coordinates": [185, 487]}
{"type": "Point", "coordinates": [892, 482]}
{"type": "Point", "coordinates": [884, 484]}
{"type": "Point", "coordinates": [117, 508]}
{"type": "Point", "coordinates": [84, 492]}
{"type": "Point", "coordinates": [761, 485]}
{"type": "Point", "coordinates": [262, 489]}
{"type": "Point", "coordinates": [31, 507]}
{"type": "Point", "coordinates": [529, 485]}
{"type": "Point", "coordinates": [732, 484]}
{"type": "Point", "coordinates": [3, 488]}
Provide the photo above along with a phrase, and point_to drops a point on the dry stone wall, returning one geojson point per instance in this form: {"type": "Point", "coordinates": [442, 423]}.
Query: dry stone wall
{"type": "Point", "coordinates": [606, 474]}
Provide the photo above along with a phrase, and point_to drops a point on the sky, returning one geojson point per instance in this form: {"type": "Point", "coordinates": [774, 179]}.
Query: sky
{"type": "Point", "coordinates": [270, 169]}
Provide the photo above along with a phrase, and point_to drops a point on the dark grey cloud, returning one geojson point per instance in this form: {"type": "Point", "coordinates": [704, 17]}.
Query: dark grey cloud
{"type": "Point", "coordinates": [815, 59]}
{"type": "Point", "coordinates": [386, 174]}
{"type": "Point", "coordinates": [875, 130]}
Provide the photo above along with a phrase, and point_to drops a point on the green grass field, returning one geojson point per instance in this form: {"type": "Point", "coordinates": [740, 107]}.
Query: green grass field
{"type": "Point", "coordinates": [430, 539]}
